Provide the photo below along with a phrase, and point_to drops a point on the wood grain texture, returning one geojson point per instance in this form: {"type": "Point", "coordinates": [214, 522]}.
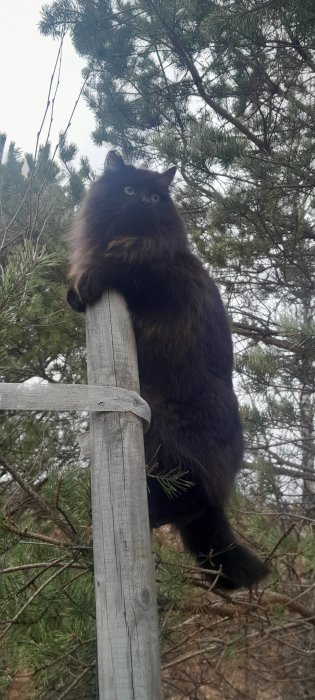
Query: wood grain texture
{"type": "Point", "coordinates": [127, 626]}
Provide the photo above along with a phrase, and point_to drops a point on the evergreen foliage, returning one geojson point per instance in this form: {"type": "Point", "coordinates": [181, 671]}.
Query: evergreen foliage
{"type": "Point", "coordinates": [46, 586]}
{"type": "Point", "coordinates": [226, 91]}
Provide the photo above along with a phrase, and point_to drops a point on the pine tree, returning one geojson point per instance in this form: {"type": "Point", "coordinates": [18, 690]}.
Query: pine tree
{"type": "Point", "coordinates": [225, 90]}
{"type": "Point", "coordinates": [40, 338]}
{"type": "Point", "coordinates": [46, 588]}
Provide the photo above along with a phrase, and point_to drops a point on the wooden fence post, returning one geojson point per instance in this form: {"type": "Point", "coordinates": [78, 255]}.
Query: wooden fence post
{"type": "Point", "coordinates": [126, 611]}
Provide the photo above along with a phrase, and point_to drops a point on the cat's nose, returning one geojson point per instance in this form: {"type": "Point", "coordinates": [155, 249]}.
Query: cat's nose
{"type": "Point", "coordinates": [145, 199]}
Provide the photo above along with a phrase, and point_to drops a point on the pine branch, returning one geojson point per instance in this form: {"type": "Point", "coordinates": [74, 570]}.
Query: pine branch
{"type": "Point", "coordinates": [302, 51]}
{"type": "Point", "coordinates": [71, 651]}
{"type": "Point", "coordinates": [36, 498]}
{"type": "Point", "coordinates": [37, 536]}
{"type": "Point", "coordinates": [265, 336]}
{"type": "Point", "coordinates": [77, 680]}
{"type": "Point", "coordinates": [190, 65]}
{"type": "Point", "coordinates": [172, 482]}
{"type": "Point", "coordinates": [281, 471]}
{"type": "Point", "coordinates": [32, 598]}
{"type": "Point", "coordinates": [289, 603]}
{"type": "Point", "coordinates": [39, 565]}
{"type": "Point", "coordinates": [280, 540]}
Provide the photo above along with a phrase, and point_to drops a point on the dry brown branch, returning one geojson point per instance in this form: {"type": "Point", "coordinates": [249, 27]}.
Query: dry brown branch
{"type": "Point", "coordinates": [270, 598]}
{"type": "Point", "coordinates": [190, 655]}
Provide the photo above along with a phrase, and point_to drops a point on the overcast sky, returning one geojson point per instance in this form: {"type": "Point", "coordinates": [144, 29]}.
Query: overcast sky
{"type": "Point", "coordinates": [26, 63]}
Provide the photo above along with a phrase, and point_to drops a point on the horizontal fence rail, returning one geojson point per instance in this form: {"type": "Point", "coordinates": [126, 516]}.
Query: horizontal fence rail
{"type": "Point", "coordinates": [72, 397]}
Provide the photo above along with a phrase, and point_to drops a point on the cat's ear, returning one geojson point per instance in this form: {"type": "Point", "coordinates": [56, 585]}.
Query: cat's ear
{"type": "Point", "coordinates": [167, 177]}
{"type": "Point", "coordinates": [113, 162]}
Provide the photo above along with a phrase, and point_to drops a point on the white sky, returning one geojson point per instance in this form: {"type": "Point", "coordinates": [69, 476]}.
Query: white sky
{"type": "Point", "coordinates": [26, 63]}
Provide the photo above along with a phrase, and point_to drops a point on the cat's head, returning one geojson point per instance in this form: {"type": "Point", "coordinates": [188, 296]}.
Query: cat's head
{"type": "Point", "coordinates": [136, 202]}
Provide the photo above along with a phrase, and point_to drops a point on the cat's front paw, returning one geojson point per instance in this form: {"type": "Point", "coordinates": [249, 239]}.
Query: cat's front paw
{"type": "Point", "coordinates": [89, 290]}
{"type": "Point", "coordinates": [91, 287]}
{"type": "Point", "coordinates": [74, 301]}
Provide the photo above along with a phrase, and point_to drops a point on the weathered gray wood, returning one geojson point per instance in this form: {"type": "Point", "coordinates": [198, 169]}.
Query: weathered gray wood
{"type": "Point", "coordinates": [71, 397]}
{"type": "Point", "coordinates": [126, 612]}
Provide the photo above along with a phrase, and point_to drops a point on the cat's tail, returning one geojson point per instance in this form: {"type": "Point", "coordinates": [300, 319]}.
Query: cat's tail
{"type": "Point", "coordinates": [210, 539]}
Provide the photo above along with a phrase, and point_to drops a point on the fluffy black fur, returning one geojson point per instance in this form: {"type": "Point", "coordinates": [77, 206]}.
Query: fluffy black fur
{"type": "Point", "coordinates": [129, 236]}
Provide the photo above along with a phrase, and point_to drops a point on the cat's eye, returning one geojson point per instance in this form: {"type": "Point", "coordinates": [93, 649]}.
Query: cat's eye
{"type": "Point", "coordinates": [155, 198]}
{"type": "Point", "coordinates": [129, 190]}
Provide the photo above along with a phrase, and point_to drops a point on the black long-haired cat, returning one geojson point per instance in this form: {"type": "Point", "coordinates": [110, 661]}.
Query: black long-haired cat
{"type": "Point", "coordinates": [129, 236]}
